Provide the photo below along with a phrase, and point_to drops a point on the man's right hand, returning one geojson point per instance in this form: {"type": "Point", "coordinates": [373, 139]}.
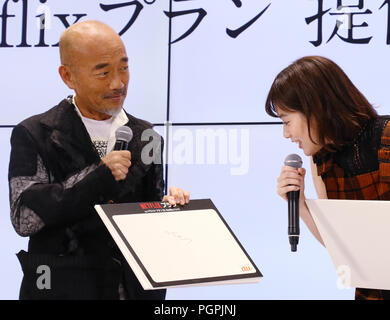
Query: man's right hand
{"type": "Point", "coordinates": [119, 163]}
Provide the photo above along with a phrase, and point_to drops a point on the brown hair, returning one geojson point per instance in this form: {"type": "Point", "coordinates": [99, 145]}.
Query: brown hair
{"type": "Point", "coordinates": [318, 88]}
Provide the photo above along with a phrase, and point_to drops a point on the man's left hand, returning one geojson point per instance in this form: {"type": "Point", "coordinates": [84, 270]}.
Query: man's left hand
{"type": "Point", "coordinates": [177, 196]}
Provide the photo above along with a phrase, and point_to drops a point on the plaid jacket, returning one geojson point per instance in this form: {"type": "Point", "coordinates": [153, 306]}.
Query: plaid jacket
{"type": "Point", "coordinates": [360, 171]}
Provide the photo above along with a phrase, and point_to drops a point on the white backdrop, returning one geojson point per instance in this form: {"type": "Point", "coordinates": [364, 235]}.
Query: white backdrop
{"type": "Point", "coordinates": [219, 72]}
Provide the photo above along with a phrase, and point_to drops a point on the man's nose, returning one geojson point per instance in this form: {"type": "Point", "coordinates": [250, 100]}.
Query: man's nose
{"type": "Point", "coordinates": [116, 82]}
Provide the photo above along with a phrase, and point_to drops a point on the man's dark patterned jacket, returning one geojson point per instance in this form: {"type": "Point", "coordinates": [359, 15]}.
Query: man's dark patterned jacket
{"type": "Point", "coordinates": [55, 179]}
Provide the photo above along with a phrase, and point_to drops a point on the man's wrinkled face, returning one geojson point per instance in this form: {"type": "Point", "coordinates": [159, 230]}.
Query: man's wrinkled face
{"type": "Point", "coordinates": [100, 77]}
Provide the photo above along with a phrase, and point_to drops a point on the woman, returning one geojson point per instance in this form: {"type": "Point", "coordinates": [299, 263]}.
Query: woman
{"type": "Point", "coordinates": [332, 122]}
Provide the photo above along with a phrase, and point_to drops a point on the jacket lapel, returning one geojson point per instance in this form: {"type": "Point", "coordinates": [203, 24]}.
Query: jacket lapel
{"type": "Point", "coordinates": [71, 147]}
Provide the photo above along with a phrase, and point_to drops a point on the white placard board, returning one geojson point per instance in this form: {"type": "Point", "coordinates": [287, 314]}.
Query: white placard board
{"type": "Point", "coordinates": [356, 235]}
{"type": "Point", "coordinates": [178, 246]}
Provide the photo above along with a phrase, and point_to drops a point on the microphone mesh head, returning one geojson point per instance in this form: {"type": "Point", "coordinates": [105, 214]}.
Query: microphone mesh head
{"type": "Point", "coordinates": [124, 133]}
{"type": "Point", "coordinates": [293, 160]}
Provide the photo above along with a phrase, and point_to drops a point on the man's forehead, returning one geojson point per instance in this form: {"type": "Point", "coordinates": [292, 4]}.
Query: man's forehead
{"type": "Point", "coordinates": [99, 54]}
{"type": "Point", "coordinates": [101, 46]}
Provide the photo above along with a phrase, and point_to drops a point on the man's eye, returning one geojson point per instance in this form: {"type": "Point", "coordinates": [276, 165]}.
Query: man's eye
{"type": "Point", "coordinates": [125, 68]}
{"type": "Point", "coordinates": [102, 74]}
{"type": "Point", "coordinates": [286, 123]}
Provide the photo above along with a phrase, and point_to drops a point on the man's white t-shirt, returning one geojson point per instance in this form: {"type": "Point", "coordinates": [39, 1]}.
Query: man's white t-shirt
{"type": "Point", "coordinates": [102, 132]}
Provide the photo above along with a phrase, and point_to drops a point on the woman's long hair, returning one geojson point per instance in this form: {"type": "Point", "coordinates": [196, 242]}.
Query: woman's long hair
{"type": "Point", "coordinates": [318, 88]}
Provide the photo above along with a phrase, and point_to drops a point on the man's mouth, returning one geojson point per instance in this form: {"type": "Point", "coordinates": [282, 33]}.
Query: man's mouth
{"type": "Point", "coordinates": [115, 96]}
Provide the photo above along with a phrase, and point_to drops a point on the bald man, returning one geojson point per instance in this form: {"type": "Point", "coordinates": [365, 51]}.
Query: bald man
{"type": "Point", "coordinates": [62, 164]}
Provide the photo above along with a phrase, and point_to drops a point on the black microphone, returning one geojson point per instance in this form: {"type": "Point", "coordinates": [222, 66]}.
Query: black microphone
{"type": "Point", "coordinates": [295, 161]}
{"type": "Point", "coordinates": [123, 137]}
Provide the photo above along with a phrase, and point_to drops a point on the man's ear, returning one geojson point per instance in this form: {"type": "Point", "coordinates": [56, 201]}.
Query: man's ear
{"type": "Point", "coordinates": [66, 76]}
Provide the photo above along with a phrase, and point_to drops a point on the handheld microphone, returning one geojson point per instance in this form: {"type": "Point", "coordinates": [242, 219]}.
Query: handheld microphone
{"type": "Point", "coordinates": [123, 137]}
{"type": "Point", "coordinates": [295, 161]}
